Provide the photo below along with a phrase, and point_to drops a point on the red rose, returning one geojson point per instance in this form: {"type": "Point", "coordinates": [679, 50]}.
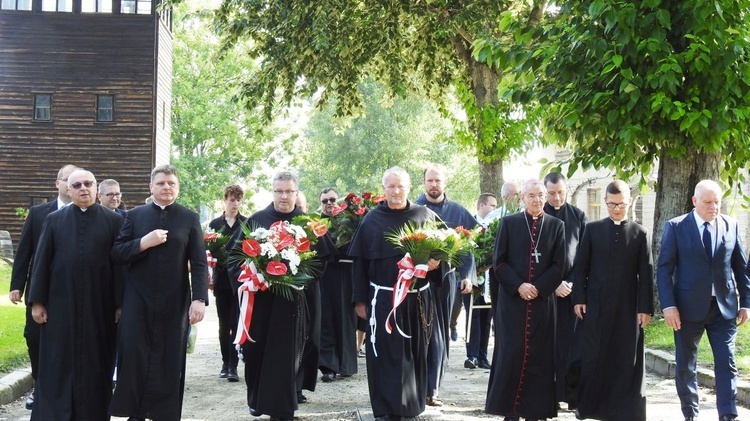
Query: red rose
{"type": "Point", "coordinates": [276, 268]}
{"type": "Point", "coordinates": [360, 211]}
{"type": "Point", "coordinates": [366, 195]}
{"type": "Point", "coordinates": [210, 236]}
{"type": "Point", "coordinates": [378, 199]}
{"type": "Point", "coordinates": [350, 196]}
{"type": "Point", "coordinates": [336, 210]}
{"type": "Point", "coordinates": [251, 247]}
{"type": "Point", "coordinates": [344, 206]}
{"type": "Point", "coordinates": [357, 200]}
{"type": "Point", "coordinates": [303, 245]}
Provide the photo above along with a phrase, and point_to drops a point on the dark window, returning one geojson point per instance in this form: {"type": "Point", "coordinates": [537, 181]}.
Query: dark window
{"type": "Point", "coordinates": [96, 6]}
{"type": "Point", "coordinates": [42, 106]}
{"type": "Point", "coordinates": [105, 106]}
{"type": "Point", "coordinates": [57, 5]}
{"type": "Point", "coordinates": [15, 5]}
{"type": "Point", "coordinates": [140, 7]}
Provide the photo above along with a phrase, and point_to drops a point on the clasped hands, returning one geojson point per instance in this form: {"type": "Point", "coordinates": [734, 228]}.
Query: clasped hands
{"type": "Point", "coordinates": [527, 291]}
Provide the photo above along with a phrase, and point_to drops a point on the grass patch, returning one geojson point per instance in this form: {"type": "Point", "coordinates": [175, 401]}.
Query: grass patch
{"type": "Point", "coordinates": [659, 336]}
{"type": "Point", "coordinates": [13, 352]}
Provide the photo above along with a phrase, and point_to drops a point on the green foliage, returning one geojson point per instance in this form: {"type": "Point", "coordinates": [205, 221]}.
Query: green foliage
{"type": "Point", "coordinates": [410, 46]}
{"type": "Point", "coordinates": [622, 81]}
{"type": "Point", "coordinates": [215, 140]}
{"type": "Point", "coordinates": [351, 156]}
{"type": "Point", "coordinates": [13, 353]}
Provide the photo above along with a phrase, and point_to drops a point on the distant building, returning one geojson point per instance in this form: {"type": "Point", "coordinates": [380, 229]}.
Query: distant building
{"type": "Point", "coordinates": [84, 82]}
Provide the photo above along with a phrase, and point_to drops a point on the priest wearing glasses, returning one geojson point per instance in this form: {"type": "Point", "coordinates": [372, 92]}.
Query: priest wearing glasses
{"type": "Point", "coordinates": [529, 260]}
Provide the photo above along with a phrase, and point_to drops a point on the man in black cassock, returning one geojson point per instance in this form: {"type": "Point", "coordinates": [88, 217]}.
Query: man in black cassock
{"type": "Point", "coordinates": [159, 241]}
{"type": "Point", "coordinates": [567, 362]}
{"type": "Point", "coordinates": [280, 327]}
{"type": "Point", "coordinates": [456, 283]}
{"type": "Point", "coordinates": [396, 361]}
{"type": "Point", "coordinates": [613, 297]}
{"type": "Point", "coordinates": [24, 260]}
{"type": "Point", "coordinates": [529, 262]}
{"type": "Point", "coordinates": [75, 294]}
{"type": "Point", "coordinates": [338, 345]}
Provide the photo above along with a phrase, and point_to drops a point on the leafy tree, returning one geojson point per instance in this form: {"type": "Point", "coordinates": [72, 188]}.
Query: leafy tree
{"type": "Point", "coordinates": [411, 46]}
{"type": "Point", "coordinates": [409, 133]}
{"type": "Point", "coordinates": [626, 82]}
{"type": "Point", "coordinates": [215, 140]}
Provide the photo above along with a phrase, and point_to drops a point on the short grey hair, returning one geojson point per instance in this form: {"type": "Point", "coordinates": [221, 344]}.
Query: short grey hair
{"type": "Point", "coordinates": [531, 183]}
{"type": "Point", "coordinates": [709, 185]}
{"type": "Point", "coordinates": [106, 183]}
{"type": "Point", "coordinates": [398, 171]}
{"type": "Point", "coordinates": [504, 193]}
{"type": "Point", "coordinates": [286, 176]}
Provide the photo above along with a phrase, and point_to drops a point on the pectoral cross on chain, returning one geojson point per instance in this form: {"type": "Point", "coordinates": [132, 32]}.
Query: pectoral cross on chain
{"type": "Point", "coordinates": [536, 255]}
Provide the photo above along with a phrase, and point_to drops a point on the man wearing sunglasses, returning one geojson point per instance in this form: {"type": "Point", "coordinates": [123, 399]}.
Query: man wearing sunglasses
{"type": "Point", "coordinates": [338, 346]}
{"type": "Point", "coordinates": [32, 229]}
{"type": "Point", "coordinates": [75, 294]}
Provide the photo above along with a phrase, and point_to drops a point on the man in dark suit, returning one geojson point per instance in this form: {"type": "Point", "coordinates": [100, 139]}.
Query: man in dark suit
{"type": "Point", "coordinates": [23, 261]}
{"type": "Point", "coordinates": [700, 275]}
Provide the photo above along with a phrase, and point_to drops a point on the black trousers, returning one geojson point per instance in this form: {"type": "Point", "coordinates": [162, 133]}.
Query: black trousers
{"type": "Point", "coordinates": [228, 310]}
{"type": "Point", "coordinates": [32, 332]}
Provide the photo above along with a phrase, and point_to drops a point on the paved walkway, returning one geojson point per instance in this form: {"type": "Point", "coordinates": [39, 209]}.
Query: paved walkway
{"type": "Point", "coordinates": [209, 398]}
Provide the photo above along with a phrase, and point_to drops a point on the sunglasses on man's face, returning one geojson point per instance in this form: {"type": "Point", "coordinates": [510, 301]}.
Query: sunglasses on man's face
{"type": "Point", "coordinates": [77, 185]}
{"type": "Point", "coordinates": [329, 200]}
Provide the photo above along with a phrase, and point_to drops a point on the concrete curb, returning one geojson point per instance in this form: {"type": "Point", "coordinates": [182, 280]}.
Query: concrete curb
{"type": "Point", "coordinates": [663, 363]}
{"type": "Point", "coordinates": [15, 384]}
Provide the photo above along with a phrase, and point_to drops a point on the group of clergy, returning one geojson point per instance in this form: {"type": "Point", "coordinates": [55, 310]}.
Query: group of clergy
{"type": "Point", "coordinates": [569, 298]}
{"type": "Point", "coordinates": [103, 286]}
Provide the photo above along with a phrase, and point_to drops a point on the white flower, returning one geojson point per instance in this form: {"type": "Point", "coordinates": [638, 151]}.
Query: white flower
{"type": "Point", "coordinates": [291, 256]}
{"type": "Point", "coordinates": [297, 231]}
{"type": "Point", "coordinates": [260, 234]}
{"type": "Point", "coordinates": [268, 250]}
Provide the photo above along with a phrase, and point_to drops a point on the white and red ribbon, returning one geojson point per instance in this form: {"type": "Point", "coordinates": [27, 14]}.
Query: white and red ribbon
{"type": "Point", "coordinates": [407, 271]}
{"type": "Point", "coordinates": [211, 262]}
{"type": "Point", "coordinates": [252, 281]}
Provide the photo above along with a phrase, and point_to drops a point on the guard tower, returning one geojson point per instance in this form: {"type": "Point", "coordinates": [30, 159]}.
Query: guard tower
{"type": "Point", "coordinates": [84, 82]}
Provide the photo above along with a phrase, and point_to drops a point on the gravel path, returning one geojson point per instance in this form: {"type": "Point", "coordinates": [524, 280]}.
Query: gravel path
{"type": "Point", "coordinates": [207, 397]}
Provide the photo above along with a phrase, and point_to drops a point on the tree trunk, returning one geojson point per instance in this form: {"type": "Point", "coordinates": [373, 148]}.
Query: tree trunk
{"type": "Point", "coordinates": [491, 177]}
{"type": "Point", "coordinates": [484, 86]}
{"type": "Point", "coordinates": [675, 186]}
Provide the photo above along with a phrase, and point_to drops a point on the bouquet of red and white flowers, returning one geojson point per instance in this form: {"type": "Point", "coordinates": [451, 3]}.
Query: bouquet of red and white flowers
{"type": "Point", "coordinates": [347, 215]}
{"type": "Point", "coordinates": [216, 253]}
{"type": "Point", "coordinates": [279, 259]}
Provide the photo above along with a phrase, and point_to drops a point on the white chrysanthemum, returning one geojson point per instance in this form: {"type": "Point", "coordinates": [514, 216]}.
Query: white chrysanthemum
{"type": "Point", "coordinates": [291, 256]}
{"type": "Point", "coordinates": [260, 234]}
{"type": "Point", "coordinates": [297, 231]}
{"type": "Point", "coordinates": [268, 250]}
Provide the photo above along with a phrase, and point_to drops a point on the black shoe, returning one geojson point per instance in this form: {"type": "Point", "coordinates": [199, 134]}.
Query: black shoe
{"type": "Point", "coordinates": [454, 335]}
{"type": "Point", "coordinates": [510, 419]}
{"type": "Point", "coordinates": [30, 401]}
{"type": "Point", "coordinates": [255, 413]}
{"type": "Point", "coordinates": [471, 363]}
{"type": "Point", "coordinates": [232, 375]}
{"type": "Point", "coordinates": [327, 377]}
{"type": "Point", "coordinates": [485, 364]}
{"type": "Point", "coordinates": [301, 398]}
{"type": "Point", "coordinates": [433, 401]}
{"type": "Point", "coordinates": [728, 417]}
{"type": "Point", "coordinates": [690, 418]}
{"type": "Point", "coordinates": [224, 371]}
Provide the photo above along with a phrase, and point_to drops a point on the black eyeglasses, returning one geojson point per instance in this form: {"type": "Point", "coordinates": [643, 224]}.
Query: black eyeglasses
{"type": "Point", "coordinates": [329, 200]}
{"type": "Point", "coordinates": [612, 205]}
{"type": "Point", "coordinates": [113, 195]}
{"type": "Point", "coordinates": [77, 185]}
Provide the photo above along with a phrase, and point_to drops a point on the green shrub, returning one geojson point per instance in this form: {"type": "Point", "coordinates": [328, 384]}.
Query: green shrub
{"type": "Point", "coordinates": [13, 353]}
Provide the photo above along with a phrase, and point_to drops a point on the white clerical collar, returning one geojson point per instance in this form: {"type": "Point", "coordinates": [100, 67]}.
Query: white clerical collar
{"type": "Point", "coordinates": [620, 222]}
{"type": "Point", "coordinates": [83, 209]}
{"type": "Point", "coordinates": [162, 206]}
